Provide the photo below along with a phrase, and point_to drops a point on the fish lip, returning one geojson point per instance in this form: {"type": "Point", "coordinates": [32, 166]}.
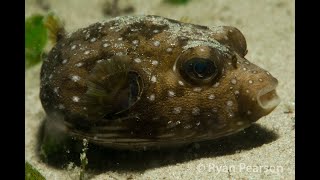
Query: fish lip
{"type": "Point", "coordinates": [267, 98]}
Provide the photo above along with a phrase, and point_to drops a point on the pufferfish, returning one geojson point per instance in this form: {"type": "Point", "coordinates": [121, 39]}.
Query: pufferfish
{"type": "Point", "coordinates": [149, 81]}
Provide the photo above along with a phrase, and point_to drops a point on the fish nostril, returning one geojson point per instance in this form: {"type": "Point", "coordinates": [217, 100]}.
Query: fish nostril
{"type": "Point", "coordinates": [268, 99]}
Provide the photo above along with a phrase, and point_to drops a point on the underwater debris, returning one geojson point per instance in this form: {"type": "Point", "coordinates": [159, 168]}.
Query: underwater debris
{"type": "Point", "coordinates": [83, 160]}
{"type": "Point", "coordinates": [55, 27]}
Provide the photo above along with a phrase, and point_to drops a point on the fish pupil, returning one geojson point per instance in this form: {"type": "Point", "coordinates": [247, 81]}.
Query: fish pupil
{"type": "Point", "coordinates": [201, 68]}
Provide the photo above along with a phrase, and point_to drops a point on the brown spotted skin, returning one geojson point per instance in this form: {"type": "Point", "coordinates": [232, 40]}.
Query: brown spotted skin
{"type": "Point", "coordinates": [172, 109]}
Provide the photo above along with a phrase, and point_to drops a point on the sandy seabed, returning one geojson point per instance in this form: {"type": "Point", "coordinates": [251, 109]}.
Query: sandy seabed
{"type": "Point", "coordinates": [264, 151]}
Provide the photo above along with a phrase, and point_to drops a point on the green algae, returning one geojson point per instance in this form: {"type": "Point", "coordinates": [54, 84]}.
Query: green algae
{"type": "Point", "coordinates": [35, 39]}
{"type": "Point", "coordinates": [31, 173]}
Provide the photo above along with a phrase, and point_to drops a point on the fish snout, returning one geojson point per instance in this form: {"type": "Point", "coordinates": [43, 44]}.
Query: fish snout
{"type": "Point", "coordinates": [267, 97]}
{"type": "Point", "coordinates": [261, 99]}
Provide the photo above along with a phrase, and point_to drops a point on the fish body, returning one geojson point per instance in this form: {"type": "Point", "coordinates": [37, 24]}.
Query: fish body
{"type": "Point", "coordinates": [142, 81]}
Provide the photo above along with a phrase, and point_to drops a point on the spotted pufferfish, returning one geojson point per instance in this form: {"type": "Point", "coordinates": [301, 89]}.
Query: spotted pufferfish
{"type": "Point", "coordinates": [149, 81]}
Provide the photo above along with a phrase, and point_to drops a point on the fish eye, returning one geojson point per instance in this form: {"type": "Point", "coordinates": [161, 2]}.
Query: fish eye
{"type": "Point", "coordinates": [200, 68]}
{"type": "Point", "coordinates": [200, 65]}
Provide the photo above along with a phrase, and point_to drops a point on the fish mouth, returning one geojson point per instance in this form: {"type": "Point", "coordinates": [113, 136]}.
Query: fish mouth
{"type": "Point", "coordinates": [268, 99]}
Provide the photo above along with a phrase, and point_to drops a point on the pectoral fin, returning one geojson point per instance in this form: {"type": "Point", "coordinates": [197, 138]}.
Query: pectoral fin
{"type": "Point", "coordinates": [112, 87]}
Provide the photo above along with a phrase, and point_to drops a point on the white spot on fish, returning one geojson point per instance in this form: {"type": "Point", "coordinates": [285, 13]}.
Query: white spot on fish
{"type": "Point", "coordinates": [156, 43]}
{"type": "Point", "coordinates": [135, 42]}
{"type": "Point", "coordinates": [86, 52]}
{"type": "Point", "coordinates": [250, 81]}
{"type": "Point", "coordinates": [152, 97]}
{"type": "Point", "coordinates": [120, 53]}
{"type": "Point", "coordinates": [249, 112]}
{"type": "Point", "coordinates": [214, 110]}
{"type": "Point", "coordinates": [195, 111]}
{"type": "Point", "coordinates": [156, 31]}
{"type": "Point", "coordinates": [211, 96]}
{"type": "Point", "coordinates": [171, 93]}
{"type": "Point", "coordinates": [154, 62]}
{"type": "Point", "coordinates": [64, 61]}
{"type": "Point", "coordinates": [105, 45]}
{"type": "Point", "coordinates": [177, 110]}
{"type": "Point", "coordinates": [216, 84]}
{"type": "Point", "coordinates": [56, 90]}
{"type": "Point", "coordinates": [233, 81]}
{"type": "Point", "coordinates": [180, 83]}
{"type": "Point", "coordinates": [169, 50]}
{"type": "Point", "coordinates": [87, 36]}
{"type": "Point", "coordinates": [171, 124]}
{"type": "Point", "coordinates": [100, 60]}
{"type": "Point", "coordinates": [75, 78]}
{"type": "Point", "coordinates": [236, 92]}
{"type": "Point", "coordinates": [260, 80]}
{"type": "Point", "coordinates": [244, 69]}
{"type": "Point", "coordinates": [137, 60]}
{"type": "Point", "coordinates": [73, 47]}
{"type": "Point", "coordinates": [188, 126]}
{"type": "Point", "coordinates": [197, 89]}
{"type": "Point", "coordinates": [229, 103]}
{"type": "Point", "coordinates": [153, 79]}
{"type": "Point", "coordinates": [79, 64]}
{"type": "Point", "coordinates": [75, 98]}
{"type": "Point", "coordinates": [93, 40]}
